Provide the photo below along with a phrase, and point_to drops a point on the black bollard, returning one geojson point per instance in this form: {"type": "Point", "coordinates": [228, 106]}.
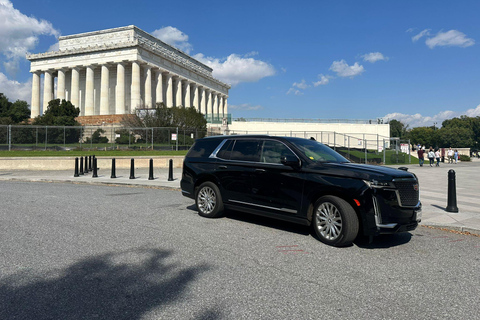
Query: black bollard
{"type": "Point", "coordinates": [86, 165]}
{"type": "Point", "coordinates": [76, 168]}
{"type": "Point", "coordinates": [81, 166]}
{"type": "Point", "coordinates": [90, 163]}
{"type": "Point", "coordinates": [452, 192]}
{"type": "Point", "coordinates": [132, 169]}
{"type": "Point", "coordinates": [170, 170]}
{"type": "Point", "coordinates": [113, 169]}
{"type": "Point", "coordinates": [94, 175]}
{"type": "Point", "coordinates": [150, 171]}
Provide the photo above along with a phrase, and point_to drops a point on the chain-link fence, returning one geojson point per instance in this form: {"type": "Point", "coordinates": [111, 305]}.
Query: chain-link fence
{"type": "Point", "coordinates": [26, 137]}
{"type": "Point", "coordinates": [357, 147]}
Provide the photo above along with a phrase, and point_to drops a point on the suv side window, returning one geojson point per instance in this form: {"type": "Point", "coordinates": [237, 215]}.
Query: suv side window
{"type": "Point", "coordinates": [246, 150]}
{"type": "Point", "coordinates": [225, 150]}
{"type": "Point", "coordinates": [202, 148]}
{"type": "Point", "coordinates": [273, 151]}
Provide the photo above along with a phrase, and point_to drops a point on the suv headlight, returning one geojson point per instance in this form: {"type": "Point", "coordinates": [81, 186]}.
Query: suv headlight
{"type": "Point", "coordinates": [374, 184]}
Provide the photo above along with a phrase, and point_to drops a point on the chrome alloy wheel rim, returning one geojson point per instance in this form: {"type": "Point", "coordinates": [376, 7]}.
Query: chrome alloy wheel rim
{"type": "Point", "coordinates": [329, 221]}
{"type": "Point", "coordinates": [207, 200]}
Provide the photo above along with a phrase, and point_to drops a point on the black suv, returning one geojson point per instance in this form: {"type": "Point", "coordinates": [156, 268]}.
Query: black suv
{"type": "Point", "coordinates": [301, 181]}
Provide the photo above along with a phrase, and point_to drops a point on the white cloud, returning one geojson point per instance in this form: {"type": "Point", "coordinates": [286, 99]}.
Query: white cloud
{"type": "Point", "coordinates": [19, 34]}
{"type": "Point", "coordinates": [344, 70]}
{"type": "Point", "coordinates": [452, 38]}
{"type": "Point", "coordinates": [417, 37]}
{"type": "Point", "coordinates": [302, 85]}
{"type": "Point", "coordinates": [174, 37]}
{"type": "Point", "coordinates": [418, 120]}
{"type": "Point", "coordinates": [374, 57]}
{"type": "Point", "coordinates": [295, 92]}
{"type": "Point", "coordinates": [245, 106]}
{"type": "Point", "coordinates": [236, 68]}
{"type": "Point", "coordinates": [324, 80]}
{"type": "Point", "coordinates": [15, 90]}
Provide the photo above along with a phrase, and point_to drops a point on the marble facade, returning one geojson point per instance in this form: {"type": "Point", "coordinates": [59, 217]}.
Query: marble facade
{"type": "Point", "coordinates": [118, 71]}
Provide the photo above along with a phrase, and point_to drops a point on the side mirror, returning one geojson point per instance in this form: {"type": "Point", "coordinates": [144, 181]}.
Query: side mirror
{"type": "Point", "coordinates": [291, 161]}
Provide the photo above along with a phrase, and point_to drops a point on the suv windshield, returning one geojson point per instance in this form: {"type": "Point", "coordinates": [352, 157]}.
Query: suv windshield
{"type": "Point", "coordinates": [317, 151]}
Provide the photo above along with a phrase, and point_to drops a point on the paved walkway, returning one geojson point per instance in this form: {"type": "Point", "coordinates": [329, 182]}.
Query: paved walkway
{"type": "Point", "coordinates": [433, 189]}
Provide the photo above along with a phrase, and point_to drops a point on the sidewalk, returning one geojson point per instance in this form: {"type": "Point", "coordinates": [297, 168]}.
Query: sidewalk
{"type": "Point", "coordinates": [433, 188]}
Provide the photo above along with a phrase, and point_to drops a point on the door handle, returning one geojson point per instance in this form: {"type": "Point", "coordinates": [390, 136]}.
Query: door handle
{"type": "Point", "coordinates": [259, 170]}
{"type": "Point", "coordinates": [222, 167]}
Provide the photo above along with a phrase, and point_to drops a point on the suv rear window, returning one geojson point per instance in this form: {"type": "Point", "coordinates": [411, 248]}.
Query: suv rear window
{"type": "Point", "coordinates": [203, 148]}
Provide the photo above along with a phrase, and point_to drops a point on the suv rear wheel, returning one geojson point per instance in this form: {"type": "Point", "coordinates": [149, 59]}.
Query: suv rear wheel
{"type": "Point", "coordinates": [209, 200]}
{"type": "Point", "coordinates": [335, 221]}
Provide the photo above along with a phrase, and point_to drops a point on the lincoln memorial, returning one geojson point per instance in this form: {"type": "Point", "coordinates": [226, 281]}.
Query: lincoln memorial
{"type": "Point", "coordinates": [117, 71]}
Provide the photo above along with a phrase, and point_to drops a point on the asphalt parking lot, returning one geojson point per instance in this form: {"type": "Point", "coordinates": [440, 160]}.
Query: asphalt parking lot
{"type": "Point", "coordinates": [82, 251]}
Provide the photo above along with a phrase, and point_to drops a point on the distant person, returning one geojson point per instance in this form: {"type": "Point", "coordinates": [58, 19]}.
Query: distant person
{"type": "Point", "coordinates": [437, 156]}
{"type": "Point", "coordinates": [455, 155]}
{"type": "Point", "coordinates": [450, 155]}
{"type": "Point", "coordinates": [431, 156]}
{"type": "Point", "coordinates": [420, 154]}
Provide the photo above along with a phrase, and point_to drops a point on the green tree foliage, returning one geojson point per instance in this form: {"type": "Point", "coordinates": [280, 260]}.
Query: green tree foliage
{"type": "Point", "coordinates": [97, 137]}
{"type": "Point", "coordinates": [60, 113]}
{"type": "Point", "coordinates": [13, 113]}
{"type": "Point", "coordinates": [463, 132]}
{"type": "Point", "coordinates": [163, 117]}
{"type": "Point", "coordinates": [397, 129]}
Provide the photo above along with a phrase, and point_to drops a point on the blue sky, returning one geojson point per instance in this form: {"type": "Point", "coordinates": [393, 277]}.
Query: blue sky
{"type": "Point", "coordinates": [414, 61]}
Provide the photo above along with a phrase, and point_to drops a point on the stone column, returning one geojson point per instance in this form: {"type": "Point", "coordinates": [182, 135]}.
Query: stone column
{"type": "Point", "coordinates": [47, 89]}
{"type": "Point", "coordinates": [194, 93]}
{"type": "Point", "coordinates": [203, 104]}
{"type": "Point", "coordinates": [169, 97]}
{"type": "Point", "coordinates": [225, 106]}
{"type": "Point", "coordinates": [220, 106]}
{"type": "Point", "coordinates": [209, 103]}
{"type": "Point", "coordinates": [35, 104]}
{"type": "Point", "coordinates": [61, 85]}
{"type": "Point", "coordinates": [104, 91]}
{"type": "Point", "coordinates": [75, 88]}
{"type": "Point", "coordinates": [89, 97]}
{"type": "Point", "coordinates": [178, 92]}
{"type": "Point", "coordinates": [135, 95]}
{"type": "Point", "coordinates": [148, 87]}
{"type": "Point", "coordinates": [120, 90]}
{"type": "Point", "coordinates": [215, 109]}
{"type": "Point", "coordinates": [188, 99]}
{"type": "Point", "coordinates": [159, 88]}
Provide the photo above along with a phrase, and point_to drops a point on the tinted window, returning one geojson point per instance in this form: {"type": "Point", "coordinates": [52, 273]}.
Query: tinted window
{"type": "Point", "coordinates": [225, 150]}
{"type": "Point", "coordinates": [273, 151]}
{"type": "Point", "coordinates": [246, 150]}
{"type": "Point", "coordinates": [203, 148]}
{"type": "Point", "coordinates": [317, 151]}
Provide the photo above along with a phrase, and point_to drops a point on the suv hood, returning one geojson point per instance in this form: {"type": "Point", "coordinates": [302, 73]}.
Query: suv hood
{"type": "Point", "coordinates": [361, 171]}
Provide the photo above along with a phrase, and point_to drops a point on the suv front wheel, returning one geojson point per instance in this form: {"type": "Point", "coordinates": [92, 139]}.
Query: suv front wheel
{"type": "Point", "coordinates": [209, 200]}
{"type": "Point", "coordinates": [335, 221]}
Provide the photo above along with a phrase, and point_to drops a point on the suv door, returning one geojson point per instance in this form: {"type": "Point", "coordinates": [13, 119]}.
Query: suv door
{"type": "Point", "coordinates": [236, 163]}
{"type": "Point", "coordinates": [276, 187]}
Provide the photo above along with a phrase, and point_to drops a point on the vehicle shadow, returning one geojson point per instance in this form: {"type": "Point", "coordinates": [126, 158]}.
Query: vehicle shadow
{"type": "Point", "coordinates": [383, 241]}
{"type": "Point", "coordinates": [123, 285]}
{"type": "Point", "coordinates": [379, 242]}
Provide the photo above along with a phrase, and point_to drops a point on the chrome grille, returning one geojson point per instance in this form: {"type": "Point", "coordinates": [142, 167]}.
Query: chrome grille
{"type": "Point", "coordinates": [408, 196]}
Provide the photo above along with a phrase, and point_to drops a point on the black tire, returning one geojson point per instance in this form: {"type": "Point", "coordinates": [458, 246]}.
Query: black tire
{"type": "Point", "coordinates": [209, 200]}
{"type": "Point", "coordinates": [335, 221]}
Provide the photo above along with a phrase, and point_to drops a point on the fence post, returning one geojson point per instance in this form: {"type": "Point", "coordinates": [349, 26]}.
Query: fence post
{"type": "Point", "coordinates": [46, 137]}
{"type": "Point", "coordinates": [177, 139]}
{"type": "Point", "coordinates": [9, 137]}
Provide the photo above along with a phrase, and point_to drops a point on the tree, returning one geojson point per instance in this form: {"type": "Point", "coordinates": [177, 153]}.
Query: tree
{"type": "Point", "coordinates": [397, 129]}
{"type": "Point", "coordinates": [13, 113]}
{"type": "Point", "coordinates": [163, 117]}
{"type": "Point", "coordinates": [60, 113]}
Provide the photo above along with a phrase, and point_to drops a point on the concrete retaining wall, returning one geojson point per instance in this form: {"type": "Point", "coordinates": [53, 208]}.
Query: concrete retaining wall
{"type": "Point", "coordinates": [68, 163]}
